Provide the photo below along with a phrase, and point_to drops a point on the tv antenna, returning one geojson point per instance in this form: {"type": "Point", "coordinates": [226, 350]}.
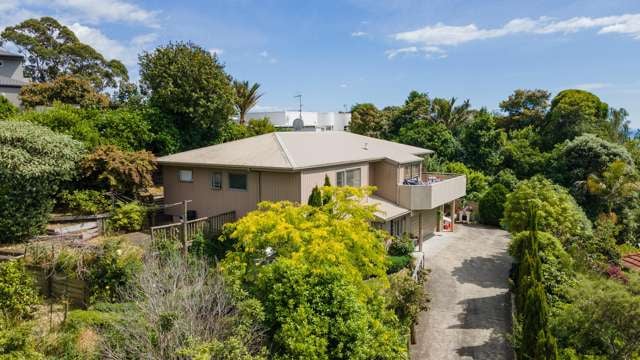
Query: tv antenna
{"type": "Point", "coordinates": [299, 96]}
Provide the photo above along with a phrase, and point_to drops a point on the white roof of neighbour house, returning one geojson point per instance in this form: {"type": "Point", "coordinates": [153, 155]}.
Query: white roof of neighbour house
{"type": "Point", "coordinates": [297, 150]}
{"type": "Point", "coordinates": [386, 210]}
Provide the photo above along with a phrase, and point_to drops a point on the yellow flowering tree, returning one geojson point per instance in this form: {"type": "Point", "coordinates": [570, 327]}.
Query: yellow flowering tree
{"type": "Point", "coordinates": [320, 274]}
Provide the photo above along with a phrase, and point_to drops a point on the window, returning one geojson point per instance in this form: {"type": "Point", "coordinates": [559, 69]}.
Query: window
{"type": "Point", "coordinates": [238, 181]}
{"type": "Point", "coordinates": [348, 178]}
{"type": "Point", "coordinates": [216, 181]}
{"type": "Point", "coordinates": [185, 175]}
{"type": "Point", "coordinates": [411, 171]}
{"type": "Point", "coordinates": [397, 227]}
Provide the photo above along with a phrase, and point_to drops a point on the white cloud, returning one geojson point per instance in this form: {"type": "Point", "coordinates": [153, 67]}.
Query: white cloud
{"type": "Point", "coordinates": [144, 39]}
{"type": "Point", "coordinates": [395, 52]}
{"type": "Point", "coordinates": [428, 51]}
{"type": "Point", "coordinates": [270, 59]}
{"type": "Point", "coordinates": [95, 11]}
{"type": "Point", "coordinates": [451, 35]}
{"type": "Point", "coordinates": [592, 86]}
{"type": "Point", "coordinates": [110, 48]}
{"type": "Point", "coordinates": [216, 51]}
{"type": "Point", "coordinates": [344, 86]}
{"type": "Point", "coordinates": [358, 34]}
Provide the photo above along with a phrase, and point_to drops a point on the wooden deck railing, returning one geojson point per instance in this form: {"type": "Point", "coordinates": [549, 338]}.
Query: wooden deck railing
{"type": "Point", "coordinates": [208, 226]}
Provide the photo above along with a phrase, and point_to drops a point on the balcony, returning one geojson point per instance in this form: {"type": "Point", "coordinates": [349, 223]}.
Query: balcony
{"type": "Point", "coordinates": [431, 191]}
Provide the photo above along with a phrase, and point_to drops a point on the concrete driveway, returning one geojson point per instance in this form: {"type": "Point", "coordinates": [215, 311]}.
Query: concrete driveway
{"type": "Point", "coordinates": [470, 308]}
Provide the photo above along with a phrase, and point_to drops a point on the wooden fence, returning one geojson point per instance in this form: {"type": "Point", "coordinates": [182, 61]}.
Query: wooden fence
{"type": "Point", "coordinates": [208, 226]}
{"type": "Point", "coordinates": [59, 286]}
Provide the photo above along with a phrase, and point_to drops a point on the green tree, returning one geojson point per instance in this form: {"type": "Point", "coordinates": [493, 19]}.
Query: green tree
{"type": "Point", "coordinates": [110, 168]}
{"type": "Point", "coordinates": [417, 107]}
{"type": "Point", "coordinates": [34, 162]}
{"type": "Point", "coordinates": [52, 50]}
{"type": "Point", "coordinates": [618, 129]}
{"type": "Point", "coordinates": [7, 109]}
{"type": "Point", "coordinates": [367, 120]}
{"type": "Point", "coordinates": [477, 182]}
{"type": "Point", "coordinates": [586, 155]}
{"type": "Point", "coordinates": [452, 116]}
{"type": "Point", "coordinates": [247, 97]}
{"type": "Point", "coordinates": [67, 89]}
{"type": "Point", "coordinates": [524, 108]}
{"type": "Point", "coordinates": [63, 119]}
{"type": "Point", "coordinates": [573, 113]}
{"type": "Point", "coordinates": [506, 178]}
{"type": "Point", "coordinates": [126, 127]}
{"type": "Point", "coordinates": [559, 214]}
{"type": "Point", "coordinates": [320, 275]}
{"type": "Point", "coordinates": [260, 126]}
{"type": "Point", "coordinates": [491, 205]}
{"type": "Point", "coordinates": [537, 341]}
{"type": "Point", "coordinates": [433, 136]}
{"type": "Point", "coordinates": [521, 153]}
{"type": "Point", "coordinates": [481, 143]}
{"type": "Point", "coordinates": [315, 198]}
{"type": "Point", "coordinates": [618, 183]}
{"type": "Point", "coordinates": [596, 321]}
{"type": "Point", "coordinates": [188, 84]}
{"type": "Point", "coordinates": [18, 295]}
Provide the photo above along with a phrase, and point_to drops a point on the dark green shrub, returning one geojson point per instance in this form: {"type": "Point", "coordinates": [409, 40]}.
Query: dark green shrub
{"type": "Point", "coordinates": [315, 198]}
{"type": "Point", "coordinates": [18, 295]}
{"type": "Point", "coordinates": [401, 246]}
{"type": "Point", "coordinates": [128, 217]}
{"type": "Point", "coordinates": [34, 161]}
{"type": "Point", "coordinates": [397, 263]}
{"type": "Point", "coordinates": [85, 202]}
{"type": "Point", "coordinates": [6, 108]}
{"type": "Point", "coordinates": [113, 270]}
{"type": "Point", "coordinates": [491, 205]}
{"type": "Point", "coordinates": [17, 342]}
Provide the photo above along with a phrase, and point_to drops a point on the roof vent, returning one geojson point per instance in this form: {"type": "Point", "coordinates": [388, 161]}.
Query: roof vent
{"type": "Point", "coordinates": [365, 146]}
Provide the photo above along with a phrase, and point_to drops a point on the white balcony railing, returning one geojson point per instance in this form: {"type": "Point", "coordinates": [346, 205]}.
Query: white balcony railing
{"type": "Point", "coordinates": [432, 190]}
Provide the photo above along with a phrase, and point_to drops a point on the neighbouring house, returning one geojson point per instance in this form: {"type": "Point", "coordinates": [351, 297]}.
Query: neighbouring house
{"type": "Point", "coordinates": [11, 76]}
{"type": "Point", "coordinates": [305, 121]}
{"type": "Point", "coordinates": [287, 165]}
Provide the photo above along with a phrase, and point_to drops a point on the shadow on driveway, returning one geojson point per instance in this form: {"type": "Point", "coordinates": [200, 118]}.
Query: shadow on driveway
{"type": "Point", "coordinates": [482, 270]}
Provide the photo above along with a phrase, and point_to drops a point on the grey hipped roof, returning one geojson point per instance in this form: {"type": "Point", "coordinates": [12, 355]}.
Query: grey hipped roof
{"type": "Point", "coordinates": [10, 82]}
{"type": "Point", "coordinates": [297, 150]}
{"type": "Point", "coordinates": [7, 54]}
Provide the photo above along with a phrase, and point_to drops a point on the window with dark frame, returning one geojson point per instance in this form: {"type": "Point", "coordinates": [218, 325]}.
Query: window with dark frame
{"type": "Point", "coordinates": [238, 181]}
{"type": "Point", "coordinates": [349, 178]}
{"type": "Point", "coordinates": [216, 181]}
{"type": "Point", "coordinates": [185, 175]}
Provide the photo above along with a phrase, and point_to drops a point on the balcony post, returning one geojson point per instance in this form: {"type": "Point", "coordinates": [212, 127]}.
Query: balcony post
{"type": "Point", "coordinates": [453, 214]}
{"type": "Point", "coordinates": [420, 231]}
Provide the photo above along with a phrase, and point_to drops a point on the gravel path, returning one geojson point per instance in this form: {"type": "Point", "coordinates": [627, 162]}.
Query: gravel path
{"type": "Point", "coordinates": [470, 306]}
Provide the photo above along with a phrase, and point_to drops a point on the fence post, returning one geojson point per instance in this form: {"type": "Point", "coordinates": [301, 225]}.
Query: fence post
{"type": "Point", "coordinates": [184, 227]}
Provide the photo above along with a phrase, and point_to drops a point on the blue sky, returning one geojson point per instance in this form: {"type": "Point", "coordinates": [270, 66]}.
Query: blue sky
{"type": "Point", "coordinates": [340, 53]}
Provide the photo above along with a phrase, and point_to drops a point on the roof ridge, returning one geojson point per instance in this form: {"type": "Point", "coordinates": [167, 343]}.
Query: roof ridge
{"type": "Point", "coordinates": [285, 151]}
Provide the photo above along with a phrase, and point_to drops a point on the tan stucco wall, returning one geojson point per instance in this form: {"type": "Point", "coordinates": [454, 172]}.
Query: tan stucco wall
{"type": "Point", "coordinates": [280, 186]}
{"type": "Point", "coordinates": [11, 93]}
{"type": "Point", "coordinates": [429, 222]}
{"type": "Point", "coordinates": [385, 178]}
{"type": "Point", "coordinates": [208, 202]}
{"type": "Point", "coordinates": [313, 177]}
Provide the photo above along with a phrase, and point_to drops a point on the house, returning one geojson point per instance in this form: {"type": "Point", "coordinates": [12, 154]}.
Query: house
{"type": "Point", "coordinates": [11, 76]}
{"type": "Point", "coordinates": [305, 120]}
{"type": "Point", "coordinates": [287, 165]}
